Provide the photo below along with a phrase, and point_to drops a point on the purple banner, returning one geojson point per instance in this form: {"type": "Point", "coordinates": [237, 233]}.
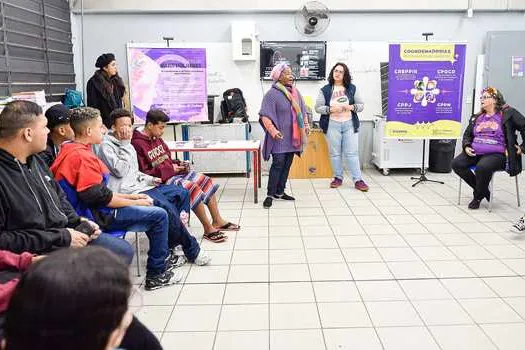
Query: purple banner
{"type": "Point", "coordinates": [425, 90]}
{"type": "Point", "coordinates": [171, 79]}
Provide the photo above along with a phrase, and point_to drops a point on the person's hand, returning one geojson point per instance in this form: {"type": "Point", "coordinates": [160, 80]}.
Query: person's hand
{"type": "Point", "coordinates": [78, 239]}
{"type": "Point", "coordinates": [144, 202]}
{"type": "Point", "coordinates": [36, 258]}
{"type": "Point", "coordinates": [518, 149]}
{"type": "Point", "coordinates": [157, 181]}
{"type": "Point", "coordinates": [138, 196]}
{"type": "Point", "coordinates": [307, 130]}
{"type": "Point", "coordinates": [124, 133]}
{"type": "Point", "coordinates": [278, 136]}
{"type": "Point", "coordinates": [179, 169]}
{"type": "Point", "coordinates": [336, 109]}
{"type": "Point", "coordinates": [470, 151]}
{"type": "Point", "coordinates": [349, 108]}
{"type": "Point", "coordinates": [95, 233]}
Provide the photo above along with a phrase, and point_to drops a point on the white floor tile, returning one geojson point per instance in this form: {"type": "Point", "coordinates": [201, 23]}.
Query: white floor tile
{"type": "Point", "coordinates": [380, 290]}
{"type": "Point", "coordinates": [352, 338]}
{"type": "Point", "coordinates": [507, 286]}
{"type": "Point", "coordinates": [188, 340]}
{"type": "Point", "coordinates": [323, 256]}
{"type": "Point", "coordinates": [490, 311]}
{"type": "Point", "coordinates": [154, 318]}
{"type": "Point", "coordinates": [370, 271]}
{"type": "Point", "coordinates": [248, 273]}
{"type": "Point", "coordinates": [506, 336]}
{"type": "Point", "coordinates": [450, 269]}
{"type": "Point", "coordinates": [406, 338]}
{"type": "Point", "coordinates": [468, 288]}
{"type": "Point", "coordinates": [244, 317]}
{"type": "Point", "coordinates": [194, 318]}
{"type": "Point", "coordinates": [162, 296]}
{"type": "Point", "coordinates": [330, 272]}
{"type": "Point", "coordinates": [393, 314]}
{"type": "Point", "coordinates": [424, 289]}
{"type": "Point", "coordinates": [410, 270]}
{"type": "Point", "coordinates": [246, 293]}
{"type": "Point", "coordinates": [289, 273]}
{"type": "Point", "coordinates": [461, 337]}
{"type": "Point", "coordinates": [442, 312]}
{"type": "Point", "coordinates": [297, 339]}
{"type": "Point", "coordinates": [250, 257]}
{"type": "Point", "coordinates": [359, 255]}
{"type": "Point", "coordinates": [291, 292]}
{"type": "Point", "coordinates": [336, 291]}
{"type": "Point", "coordinates": [341, 315]}
{"type": "Point", "coordinates": [196, 294]}
{"type": "Point", "coordinates": [287, 256]}
{"type": "Point", "coordinates": [242, 340]}
{"type": "Point", "coordinates": [294, 316]}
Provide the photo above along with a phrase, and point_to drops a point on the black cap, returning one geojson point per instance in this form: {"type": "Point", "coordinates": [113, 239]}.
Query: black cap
{"type": "Point", "coordinates": [57, 115]}
{"type": "Point", "coordinates": [104, 59]}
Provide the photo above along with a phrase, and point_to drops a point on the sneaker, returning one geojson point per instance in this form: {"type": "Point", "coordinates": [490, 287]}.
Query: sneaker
{"type": "Point", "coordinates": [174, 260]}
{"type": "Point", "coordinates": [474, 204]}
{"type": "Point", "coordinates": [284, 197]}
{"type": "Point", "coordinates": [361, 186]}
{"type": "Point", "coordinates": [267, 202]}
{"type": "Point", "coordinates": [336, 182]}
{"type": "Point", "coordinates": [202, 259]}
{"type": "Point", "coordinates": [163, 280]}
{"type": "Point", "coordinates": [519, 227]}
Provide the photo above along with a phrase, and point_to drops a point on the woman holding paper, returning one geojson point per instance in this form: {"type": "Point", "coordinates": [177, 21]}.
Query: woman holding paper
{"type": "Point", "coordinates": [490, 145]}
{"type": "Point", "coordinates": [283, 118]}
{"type": "Point", "coordinates": [338, 103]}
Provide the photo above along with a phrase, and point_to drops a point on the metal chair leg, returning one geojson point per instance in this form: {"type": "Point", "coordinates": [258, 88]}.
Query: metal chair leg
{"type": "Point", "coordinates": [459, 192]}
{"type": "Point", "coordinates": [518, 191]}
{"type": "Point", "coordinates": [137, 248]}
{"type": "Point", "coordinates": [491, 197]}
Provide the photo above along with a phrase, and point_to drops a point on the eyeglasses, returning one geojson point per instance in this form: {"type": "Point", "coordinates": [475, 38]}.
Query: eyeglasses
{"type": "Point", "coordinates": [485, 97]}
{"type": "Point", "coordinates": [338, 71]}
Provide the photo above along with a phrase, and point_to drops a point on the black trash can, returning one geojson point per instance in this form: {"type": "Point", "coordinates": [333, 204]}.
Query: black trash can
{"type": "Point", "coordinates": [211, 109]}
{"type": "Point", "coordinates": [441, 155]}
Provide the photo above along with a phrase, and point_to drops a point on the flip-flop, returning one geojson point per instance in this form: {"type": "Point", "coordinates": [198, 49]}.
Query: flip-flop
{"type": "Point", "coordinates": [230, 226]}
{"type": "Point", "coordinates": [215, 237]}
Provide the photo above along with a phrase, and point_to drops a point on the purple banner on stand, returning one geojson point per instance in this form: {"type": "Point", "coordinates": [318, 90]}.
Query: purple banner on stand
{"type": "Point", "coordinates": [425, 90]}
{"type": "Point", "coordinates": [171, 79]}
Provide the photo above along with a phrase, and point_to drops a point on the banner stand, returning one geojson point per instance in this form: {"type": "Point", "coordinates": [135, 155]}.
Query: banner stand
{"type": "Point", "coordinates": [422, 177]}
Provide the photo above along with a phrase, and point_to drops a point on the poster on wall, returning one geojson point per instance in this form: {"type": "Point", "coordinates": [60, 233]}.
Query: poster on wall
{"type": "Point", "coordinates": [425, 90]}
{"type": "Point", "coordinates": [171, 79]}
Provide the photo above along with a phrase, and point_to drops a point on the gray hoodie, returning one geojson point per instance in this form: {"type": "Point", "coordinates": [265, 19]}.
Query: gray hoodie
{"type": "Point", "coordinates": [121, 159]}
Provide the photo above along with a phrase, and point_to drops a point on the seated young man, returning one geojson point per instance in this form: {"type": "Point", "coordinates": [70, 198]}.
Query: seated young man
{"type": "Point", "coordinates": [35, 215]}
{"type": "Point", "coordinates": [120, 157]}
{"type": "Point", "coordinates": [59, 132]}
{"type": "Point", "coordinates": [154, 159]}
{"type": "Point", "coordinates": [84, 177]}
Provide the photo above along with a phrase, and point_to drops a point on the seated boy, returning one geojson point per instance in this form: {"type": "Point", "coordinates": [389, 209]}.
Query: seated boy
{"type": "Point", "coordinates": [59, 132]}
{"type": "Point", "coordinates": [85, 177]}
{"type": "Point", "coordinates": [120, 157]}
{"type": "Point", "coordinates": [154, 159]}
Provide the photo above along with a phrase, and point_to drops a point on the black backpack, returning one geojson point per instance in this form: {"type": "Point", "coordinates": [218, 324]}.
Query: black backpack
{"type": "Point", "coordinates": [233, 106]}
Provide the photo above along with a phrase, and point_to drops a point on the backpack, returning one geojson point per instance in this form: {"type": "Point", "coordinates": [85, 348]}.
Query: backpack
{"type": "Point", "coordinates": [73, 99]}
{"type": "Point", "coordinates": [233, 106]}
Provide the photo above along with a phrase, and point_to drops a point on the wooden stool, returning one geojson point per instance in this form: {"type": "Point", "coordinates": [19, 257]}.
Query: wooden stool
{"type": "Point", "coordinates": [315, 161]}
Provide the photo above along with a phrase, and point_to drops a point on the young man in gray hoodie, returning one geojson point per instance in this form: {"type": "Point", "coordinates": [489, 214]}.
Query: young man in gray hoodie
{"type": "Point", "coordinates": [120, 157]}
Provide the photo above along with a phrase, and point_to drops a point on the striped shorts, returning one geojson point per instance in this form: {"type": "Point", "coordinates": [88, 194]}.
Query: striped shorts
{"type": "Point", "coordinates": [200, 186]}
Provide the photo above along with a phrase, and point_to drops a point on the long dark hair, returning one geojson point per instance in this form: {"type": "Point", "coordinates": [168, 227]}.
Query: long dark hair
{"type": "Point", "coordinates": [347, 78]}
{"type": "Point", "coordinates": [72, 299]}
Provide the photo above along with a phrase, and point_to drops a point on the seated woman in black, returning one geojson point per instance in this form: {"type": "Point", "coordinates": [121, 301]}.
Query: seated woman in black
{"type": "Point", "coordinates": [490, 144]}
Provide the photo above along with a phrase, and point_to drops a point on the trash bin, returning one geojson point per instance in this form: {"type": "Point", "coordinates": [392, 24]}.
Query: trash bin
{"type": "Point", "coordinates": [441, 155]}
{"type": "Point", "coordinates": [211, 109]}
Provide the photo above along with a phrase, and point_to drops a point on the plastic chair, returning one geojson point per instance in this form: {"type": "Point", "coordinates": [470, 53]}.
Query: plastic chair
{"type": "Point", "coordinates": [491, 188]}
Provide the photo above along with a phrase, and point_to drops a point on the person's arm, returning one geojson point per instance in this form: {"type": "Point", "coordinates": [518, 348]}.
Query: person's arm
{"type": "Point", "coordinates": [359, 104]}
{"type": "Point", "coordinates": [320, 104]}
{"type": "Point", "coordinates": [269, 127]}
{"type": "Point", "coordinates": [6, 292]}
{"type": "Point", "coordinates": [519, 123]}
{"type": "Point", "coordinates": [91, 94]}
{"type": "Point", "coordinates": [18, 261]}
{"type": "Point", "coordinates": [117, 160]}
{"type": "Point", "coordinates": [467, 135]}
{"type": "Point", "coordinates": [144, 163]}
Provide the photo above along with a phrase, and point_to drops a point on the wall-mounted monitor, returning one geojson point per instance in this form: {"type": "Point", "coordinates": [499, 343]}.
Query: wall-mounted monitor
{"type": "Point", "coordinates": [306, 58]}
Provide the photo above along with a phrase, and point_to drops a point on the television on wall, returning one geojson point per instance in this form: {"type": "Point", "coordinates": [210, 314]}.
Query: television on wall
{"type": "Point", "coordinates": [306, 58]}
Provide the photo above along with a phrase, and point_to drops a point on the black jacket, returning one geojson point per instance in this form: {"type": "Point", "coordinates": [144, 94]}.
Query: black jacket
{"type": "Point", "coordinates": [512, 121]}
{"type": "Point", "coordinates": [34, 212]}
{"type": "Point", "coordinates": [105, 94]}
{"type": "Point", "coordinates": [50, 154]}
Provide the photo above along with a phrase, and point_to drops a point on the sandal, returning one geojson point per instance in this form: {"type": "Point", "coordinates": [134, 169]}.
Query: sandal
{"type": "Point", "coordinates": [215, 237]}
{"type": "Point", "coordinates": [230, 226]}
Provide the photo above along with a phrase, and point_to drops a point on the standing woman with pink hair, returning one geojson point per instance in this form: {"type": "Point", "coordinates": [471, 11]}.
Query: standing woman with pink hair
{"type": "Point", "coordinates": [283, 118]}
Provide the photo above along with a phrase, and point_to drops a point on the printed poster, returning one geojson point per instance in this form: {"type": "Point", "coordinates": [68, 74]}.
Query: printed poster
{"type": "Point", "coordinates": [425, 90]}
{"type": "Point", "coordinates": [171, 79]}
{"type": "Point", "coordinates": [518, 66]}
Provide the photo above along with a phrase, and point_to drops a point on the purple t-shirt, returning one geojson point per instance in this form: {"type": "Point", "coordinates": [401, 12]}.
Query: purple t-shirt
{"type": "Point", "coordinates": [488, 135]}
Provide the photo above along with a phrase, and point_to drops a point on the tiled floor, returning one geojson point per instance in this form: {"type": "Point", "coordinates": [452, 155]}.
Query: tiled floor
{"type": "Point", "coordinates": [395, 268]}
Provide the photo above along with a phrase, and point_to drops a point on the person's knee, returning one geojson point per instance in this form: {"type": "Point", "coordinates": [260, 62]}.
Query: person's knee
{"type": "Point", "coordinates": [457, 165]}
{"type": "Point", "coordinates": [482, 169]}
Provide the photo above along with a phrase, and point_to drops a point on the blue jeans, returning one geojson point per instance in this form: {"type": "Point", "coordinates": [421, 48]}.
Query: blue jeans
{"type": "Point", "coordinates": [281, 163]}
{"type": "Point", "coordinates": [175, 199]}
{"type": "Point", "coordinates": [343, 145]}
{"type": "Point", "coordinates": [118, 246]}
{"type": "Point", "coordinates": [152, 220]}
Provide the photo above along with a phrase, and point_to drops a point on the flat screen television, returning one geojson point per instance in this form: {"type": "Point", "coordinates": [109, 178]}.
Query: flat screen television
{"type": "Point", "coordinates": [306, 58]}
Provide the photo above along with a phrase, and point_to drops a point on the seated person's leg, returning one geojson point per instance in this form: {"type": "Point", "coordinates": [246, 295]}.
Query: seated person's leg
{"type": "Point", "coordinates": [178, 234]}
{"type": "Point", "coordinates": [117, 245]}
{"type": "Point", "coordinates": [487, 165]}
{"type": "Point", "coordinates": [461, 165]}
{"type": "Point", "coordinates": [152, 220]}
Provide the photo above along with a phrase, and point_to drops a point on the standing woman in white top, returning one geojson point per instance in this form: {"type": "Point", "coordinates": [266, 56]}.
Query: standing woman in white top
{"type": "Point", "coordinates": [338, 103]}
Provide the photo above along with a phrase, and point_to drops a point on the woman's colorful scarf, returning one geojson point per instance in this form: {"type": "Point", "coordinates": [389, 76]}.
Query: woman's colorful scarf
{"type": "Point", "coordinates": [297, 116]}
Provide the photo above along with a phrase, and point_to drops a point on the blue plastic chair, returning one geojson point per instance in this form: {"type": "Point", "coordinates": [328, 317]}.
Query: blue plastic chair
{"type": "Point", "coordinates": [491, 188]}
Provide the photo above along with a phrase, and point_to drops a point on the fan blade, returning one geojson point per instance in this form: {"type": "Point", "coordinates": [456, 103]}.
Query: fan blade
{"type": "Point", "coordinates": [305, 12]}
{"type": "Point", "coordinates": [308, 29]}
